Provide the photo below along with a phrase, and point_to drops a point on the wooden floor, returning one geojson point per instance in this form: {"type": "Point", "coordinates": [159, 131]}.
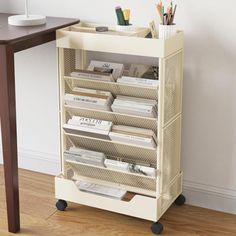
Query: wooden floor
{"type": "Point", "coordinates": [39, 216]}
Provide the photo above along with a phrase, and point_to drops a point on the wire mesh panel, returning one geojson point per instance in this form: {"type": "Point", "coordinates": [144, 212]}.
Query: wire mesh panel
{"type": "Point", "coordinates": [72, 62]}
{"type": "Point", "coordinates": [172, 86]}
{"type": "Point", "coordinates": [114, 88]}
{"type": "Point", "coordinates": [171, 192]}
{"type": "Point", "coordinates": [135, 153]}
{"type": "Point", "coordinates": [137, 181]}
{"type": "Point", "coordinates": [171, 151]}
{"type": "Point", "coordinates": [69, 60]}
{"type": "Point", "coordinates": [116, 118]}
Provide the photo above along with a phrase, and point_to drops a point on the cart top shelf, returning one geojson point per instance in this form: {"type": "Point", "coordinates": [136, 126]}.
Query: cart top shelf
{"type": "Point", "coordinates": [84, 36]}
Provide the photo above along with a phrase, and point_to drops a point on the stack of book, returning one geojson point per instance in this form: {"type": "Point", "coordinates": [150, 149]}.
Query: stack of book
{"type": "Point", "coordinates": [133, 135]}
{"type": "Point", "coordinates": [89, 98]}
{"type": "Point", "coordinates": [150, 83]}
{"type": "Point", "coordinates": [100, 70]}
{"type": "Point", "coordinates": [135, 106]}
{"type": "Point", "coordinates": [85, 156]}
{"type": "Point", "coordinates": [88, 127]}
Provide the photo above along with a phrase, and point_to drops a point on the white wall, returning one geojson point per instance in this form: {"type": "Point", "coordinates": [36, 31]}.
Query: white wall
{"type": "Point", "coordinates": [4, 6]}
{"type": "Point", "coordinates": [209, 102]}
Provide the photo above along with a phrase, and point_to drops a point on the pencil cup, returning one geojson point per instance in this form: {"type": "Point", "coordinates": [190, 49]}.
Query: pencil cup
{"type": "Point", "coordinates": [167, 31]}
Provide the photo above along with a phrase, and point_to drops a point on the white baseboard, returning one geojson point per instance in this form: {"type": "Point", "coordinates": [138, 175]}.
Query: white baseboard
{"type": "Point", "coordinates": [211, 197]}
{"type": "Point", "coordinates": [40, 162]}
{"type": "Point", "coordinates": [197, 194]}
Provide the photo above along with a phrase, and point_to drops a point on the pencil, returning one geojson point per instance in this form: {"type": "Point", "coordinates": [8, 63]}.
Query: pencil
{"type": "Point", "coordinates": [159, 10]}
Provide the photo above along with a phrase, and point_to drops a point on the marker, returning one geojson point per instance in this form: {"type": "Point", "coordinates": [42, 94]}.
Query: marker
{"type": "Point", "coordinates": [120, 16]}
{"type": "Point", "coordinates": [126, 14]}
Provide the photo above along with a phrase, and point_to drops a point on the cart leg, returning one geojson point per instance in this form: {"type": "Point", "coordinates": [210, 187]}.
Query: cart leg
{"type": "Point", "coordinates": [180, 200]}
{"type": "Point", "coordinates": [157, 228]}
{"type": "Point", "coordinates": [61, 205]}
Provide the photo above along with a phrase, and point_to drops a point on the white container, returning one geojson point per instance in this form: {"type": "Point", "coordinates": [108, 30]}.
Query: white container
{"type": "Point", "coordinates": [23, 20]}
{"type": "Point", "coordinates": [167, 31]}
{"type": "Point", "coordinates": [125, 28]}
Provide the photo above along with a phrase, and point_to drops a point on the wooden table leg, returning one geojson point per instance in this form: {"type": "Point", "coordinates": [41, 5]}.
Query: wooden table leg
{"type": "Point", "coordinates": [9, 135]}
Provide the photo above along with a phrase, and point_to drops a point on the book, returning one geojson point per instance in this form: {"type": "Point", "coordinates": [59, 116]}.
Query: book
{"type": "Point", "coordinates": [81, 151]}
{"type": "Point", "coordinates": [144, 71]}
{"type": "Point", "coordinates": [90, 122]}
{"type": "Point", "coordinates": [137, 70]}
{"type": "Point", "coordinates": [116, 69]}
{"type": "Point", "coordinates": [88, 102]}
{"type": "Point", "coordinates": [90, 132]}
{"type": "Point", "coordinates": [93, 93]}
{"type": "Point", "coordinates": [128, 167]}
{"type": "Point", "coordinates": [132, 139]}
{"type": "Point", "coordinates": [135, 131]}
{"type": "Point", "coordinates": [93, 75]}
{"type": "Point", "coordinates": [138, 81]}
{"type": "Point", "coordinates": [135, 99]}
{"type": "Point", "coordinates": [144, 170]}
{"type": "Point", "coordinates": [101, 189]}
{"type": "Point", "coordinates": [84, 159]}
{"type": "Point", "coordinates": [135, 106]}
{"type": "Point", "coordinates": [85, 129]}
{"type": "Point", "coordinates": [86, 99]}
{"type": "Point", "coordinates": [152, 73]}
{"type": "Point", "coordinates": [133, 112]}
{"type": "Point", "coordinates": [85, 125]}
{"type": "Point", "coordinates": [116, 165]}
{"type": "Point", "coordinates": [88, 125]}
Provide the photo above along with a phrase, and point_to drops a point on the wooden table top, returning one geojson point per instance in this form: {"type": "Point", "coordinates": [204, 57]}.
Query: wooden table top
{"type": "Point", "coordinates": [10, 34]}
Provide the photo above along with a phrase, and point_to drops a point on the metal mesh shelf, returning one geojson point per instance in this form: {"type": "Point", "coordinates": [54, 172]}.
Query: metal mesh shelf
{"type": "Point", "coordinates": [119, 177]}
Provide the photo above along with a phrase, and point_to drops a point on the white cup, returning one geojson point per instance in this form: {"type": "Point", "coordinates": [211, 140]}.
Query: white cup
{"type": "Point", "coordinates": [167, 31]}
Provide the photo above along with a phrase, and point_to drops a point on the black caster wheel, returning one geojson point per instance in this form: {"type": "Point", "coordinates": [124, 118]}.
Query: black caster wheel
{"type": "Point", "coordinates": [157, 228]}
{"type": "Point", "coordinates": [180, 200]}
{"type": "Point", "coordinates": [61, 205]}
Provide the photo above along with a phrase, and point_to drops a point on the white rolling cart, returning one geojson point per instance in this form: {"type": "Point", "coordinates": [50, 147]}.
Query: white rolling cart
{"type": "Point", "coordinates": [152, 196]}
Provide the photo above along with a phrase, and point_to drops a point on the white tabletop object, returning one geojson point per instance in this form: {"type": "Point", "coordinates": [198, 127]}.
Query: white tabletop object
{"type": "Point", "coordinates": [26, 19]}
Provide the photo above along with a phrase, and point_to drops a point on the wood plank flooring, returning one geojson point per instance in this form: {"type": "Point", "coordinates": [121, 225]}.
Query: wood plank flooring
{"type": "Point", "coordinates": [40, 218]}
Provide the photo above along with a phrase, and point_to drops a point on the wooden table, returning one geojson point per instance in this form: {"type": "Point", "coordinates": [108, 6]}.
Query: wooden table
{"type": "Point", "coordinates": [14, 39]}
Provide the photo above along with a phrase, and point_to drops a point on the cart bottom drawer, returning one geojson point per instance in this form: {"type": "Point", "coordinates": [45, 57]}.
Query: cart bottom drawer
{"type": "Point", "coordinates": [140, 206]}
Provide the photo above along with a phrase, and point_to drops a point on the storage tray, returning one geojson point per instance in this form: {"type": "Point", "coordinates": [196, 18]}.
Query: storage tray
{"type": "Point", "coordinates": [77, 38]}
{"type": "Point", "coordinates": [88, 27]}
{"type": "Point", "coordinates": [114, 176]}
{"type": "Point", "coordinates": [113, 87]}
{"type": "Point", "coordinates": [116, 118]}
{"type": "Point", "coordinates": [140, 206]}
{"type": "Point", "coordinates": [112, 148]}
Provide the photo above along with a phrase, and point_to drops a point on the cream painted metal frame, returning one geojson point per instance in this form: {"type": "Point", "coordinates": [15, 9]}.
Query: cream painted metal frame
{"type": "Point", "coordinates": [153, 195]}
